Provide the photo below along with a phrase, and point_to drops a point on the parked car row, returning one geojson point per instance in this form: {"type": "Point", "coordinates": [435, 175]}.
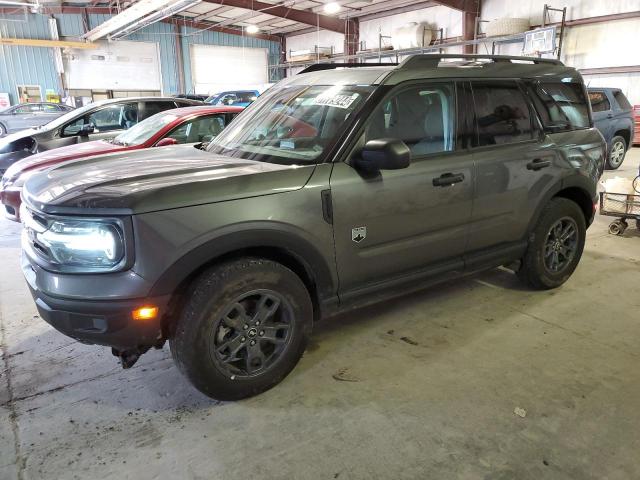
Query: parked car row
{"type": "Point", "coordinates": [187, 125]}
{"type": "Point", "coordinates": [337, 188]}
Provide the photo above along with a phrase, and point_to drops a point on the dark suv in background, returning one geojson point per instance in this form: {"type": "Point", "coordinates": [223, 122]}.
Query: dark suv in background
{"type": "Point", "coordinates": [336, 188]}
{"type": "Point", "coordinates": [96, 121]}
{"type": "Point", "coordinates": [613, 116]}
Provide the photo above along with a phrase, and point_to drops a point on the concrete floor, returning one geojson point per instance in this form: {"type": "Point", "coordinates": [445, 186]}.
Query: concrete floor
{"type": "Point", "coordinates": [421, 387]}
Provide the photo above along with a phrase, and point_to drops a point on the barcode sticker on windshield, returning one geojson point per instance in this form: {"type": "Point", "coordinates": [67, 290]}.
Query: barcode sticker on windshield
{"type": "Point", "coordinates": [340, 101]}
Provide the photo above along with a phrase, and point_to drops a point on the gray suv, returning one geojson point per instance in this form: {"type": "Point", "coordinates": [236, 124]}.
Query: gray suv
{"type": "Point", "coordinates": [337, 188]}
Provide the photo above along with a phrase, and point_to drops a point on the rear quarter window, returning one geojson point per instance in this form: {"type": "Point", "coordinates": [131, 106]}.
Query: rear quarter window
{"type": "Point", "coordinates": [562, 106]}
{"type": "Point", "coordinates": [622, 100]}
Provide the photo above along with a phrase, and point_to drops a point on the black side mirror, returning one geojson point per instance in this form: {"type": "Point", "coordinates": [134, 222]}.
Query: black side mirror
{"type": "Point", "coordinates": [87, 129]}
{"type": "Point", "coordinates": [384, 154]}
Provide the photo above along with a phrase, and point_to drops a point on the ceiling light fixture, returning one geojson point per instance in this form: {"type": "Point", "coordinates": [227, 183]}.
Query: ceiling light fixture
{"type": "Point", "coordinates": [331, 7]}
{"type": "Point", "coordinates": [132, 14]}
{"type": "Point", "coordinates": [252, 29]}
{"type": "Point", "coordinates": [153, 18]}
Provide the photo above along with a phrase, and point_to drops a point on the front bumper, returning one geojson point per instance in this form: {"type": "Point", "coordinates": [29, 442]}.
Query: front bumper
{"type": "Point", "coordinates": [10, 199]}
{"type": "Point", "coordinates": [106, 322]}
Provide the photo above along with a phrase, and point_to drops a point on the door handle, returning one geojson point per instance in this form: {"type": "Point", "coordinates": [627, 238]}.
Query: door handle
{"type": "Point", "coordinates": [538, 164]}
{"type": "Point", "coordinates": [448, 179]}
{"type": "Point", "coordinates": [610, 115]}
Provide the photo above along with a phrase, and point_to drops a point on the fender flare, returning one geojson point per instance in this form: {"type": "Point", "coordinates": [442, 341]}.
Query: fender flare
{"type": "Point", "coordinates": [287, 241]}
{"type": "Point", "coordinates": [580, 182]}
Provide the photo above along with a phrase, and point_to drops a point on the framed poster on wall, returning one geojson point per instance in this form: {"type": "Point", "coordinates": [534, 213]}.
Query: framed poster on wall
{"type": "Point", "coordinates": [5, 101]}
{"type": "Point", "coordinates": [29, 93]}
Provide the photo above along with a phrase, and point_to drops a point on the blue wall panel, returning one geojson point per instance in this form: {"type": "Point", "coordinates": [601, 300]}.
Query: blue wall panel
{"type": "Point", "coordinates": [35, 66]}
{"type": "Point", "coordinates": [26, 65]}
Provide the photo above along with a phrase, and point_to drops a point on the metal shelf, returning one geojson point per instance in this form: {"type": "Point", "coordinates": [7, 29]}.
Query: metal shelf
{"type": "Point", "coordinates": [396, 54]}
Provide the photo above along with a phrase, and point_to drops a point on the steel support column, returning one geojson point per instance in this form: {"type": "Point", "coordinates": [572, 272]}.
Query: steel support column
{"type": "Point", "coordinates": [352, 36]}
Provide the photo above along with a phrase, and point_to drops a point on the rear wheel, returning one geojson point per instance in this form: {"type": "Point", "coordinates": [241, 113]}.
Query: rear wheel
{"type": "Point", "coordinates": [243, 329]}
{"type": "Point", "coordinates": [617, 153]}
{"type": "Point", "coordinates": [556, 247]}
{"type": "Point", "coordinates": [3, 130]}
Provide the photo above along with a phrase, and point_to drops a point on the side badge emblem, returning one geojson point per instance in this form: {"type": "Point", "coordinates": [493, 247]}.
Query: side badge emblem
{"type": "Point", "coordinates": [358, 234]}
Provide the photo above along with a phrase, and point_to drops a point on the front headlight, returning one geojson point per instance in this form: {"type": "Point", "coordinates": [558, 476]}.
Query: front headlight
{"type": "Point", "coordinates": [85, 245]}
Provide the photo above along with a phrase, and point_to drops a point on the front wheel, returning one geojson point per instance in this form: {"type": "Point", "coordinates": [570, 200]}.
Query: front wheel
{"type": "Point", "coordinates": [617, 153]}
{"type": "Point", "coordinates": [556, 245]}
{"type": "Point", "coordinates": [243, 329]}
{"type": "Point", "coordinates": [3, 130]}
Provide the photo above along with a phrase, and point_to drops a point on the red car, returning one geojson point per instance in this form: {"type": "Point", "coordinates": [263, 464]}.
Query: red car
{"type": "Point", "coordinates": [171, 127]}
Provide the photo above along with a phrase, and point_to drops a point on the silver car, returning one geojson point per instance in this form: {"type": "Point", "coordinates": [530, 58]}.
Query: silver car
{"type": "Point", "coordinates": [30, 115]}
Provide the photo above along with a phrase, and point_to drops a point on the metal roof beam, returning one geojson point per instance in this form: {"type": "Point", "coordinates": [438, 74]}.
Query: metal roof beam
{"type": "Point", "coordinates": [461, 5]}
{"type": "Point", "coordinates": [324, 22]}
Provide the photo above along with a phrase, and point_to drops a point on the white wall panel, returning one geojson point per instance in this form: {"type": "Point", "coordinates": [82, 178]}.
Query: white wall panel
{"type": "Point", "coordinates": [532, 9]}
{"type": "Point", "coordinates": [602, 44]}
{"type": "Point", "coordinates": [218, 68]}
{"type": "Point", "coordinates": [321, 38]}
{"type": "Point", "coordinates": [118, 65]}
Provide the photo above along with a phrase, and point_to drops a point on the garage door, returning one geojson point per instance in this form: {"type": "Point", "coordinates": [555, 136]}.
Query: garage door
{"type": "Point", "coordinates": [215, 68]}
{"type": "Point", "coordinates": [115, 66]}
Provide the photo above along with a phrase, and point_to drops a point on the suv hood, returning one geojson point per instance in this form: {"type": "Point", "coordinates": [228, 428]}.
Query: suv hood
{"type": "Point", "coordinates": [51, 157]}
{"type": "Point", "coordinates": [156, 179]}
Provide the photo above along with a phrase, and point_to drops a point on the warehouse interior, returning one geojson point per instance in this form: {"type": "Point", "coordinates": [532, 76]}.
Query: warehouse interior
{"type": "Point", "coordinates": [478, 376]}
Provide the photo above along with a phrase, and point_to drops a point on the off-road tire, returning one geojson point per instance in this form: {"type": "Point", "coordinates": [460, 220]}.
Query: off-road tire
{"type": "Point", "coordinates": [618, 144]}
{"type": "Point", "coordinates": [193, 341]}
{"type": "Point", "coordinates": [533, 271]}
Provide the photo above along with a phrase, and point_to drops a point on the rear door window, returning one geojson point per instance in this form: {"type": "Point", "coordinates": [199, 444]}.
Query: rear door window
{"type": "Point", "coordinates": [151, 108]}
{"type": "Point", "coordinates": [502, 113]}
{"type": "Point", "coordinates": [622, 100]}
{"type": "Point", "coordinates": [599, 102]}
{"type": "Point", "coordinates": [562, 106]}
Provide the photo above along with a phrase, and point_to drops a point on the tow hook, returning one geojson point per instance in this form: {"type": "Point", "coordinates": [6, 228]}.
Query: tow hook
{"type": "Point", "coordinates": [128, 358]}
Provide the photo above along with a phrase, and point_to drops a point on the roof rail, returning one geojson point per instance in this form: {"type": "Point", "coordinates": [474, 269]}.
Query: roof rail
{"type": "Point", "coordinates": [427, 60]}
{"type": "Point", "coordinates": [316, 67]}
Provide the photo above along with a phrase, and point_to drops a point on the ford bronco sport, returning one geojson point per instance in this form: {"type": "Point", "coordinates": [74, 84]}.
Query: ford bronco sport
{"type": "Point", "coordinates": [337, 188]}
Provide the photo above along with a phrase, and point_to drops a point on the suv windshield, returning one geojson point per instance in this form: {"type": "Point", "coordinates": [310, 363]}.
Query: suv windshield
{"type": "Point", "coordinates": [144, 130]}
{"type": "Point", "coordinates": [292, 124]}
